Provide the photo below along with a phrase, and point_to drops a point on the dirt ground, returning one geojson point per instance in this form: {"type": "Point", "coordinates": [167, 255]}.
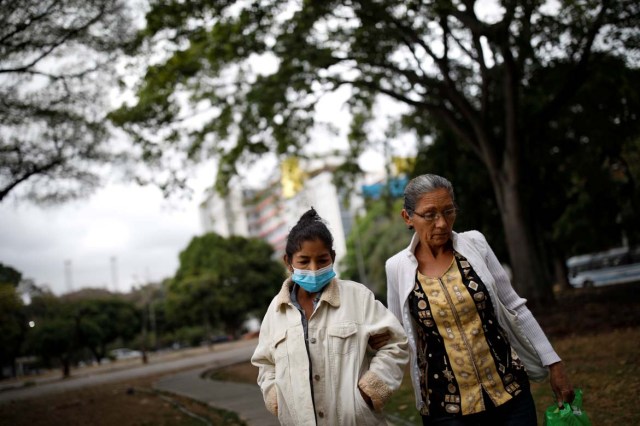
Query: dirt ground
{"type": "Point", "coordinates": [128, 403]}
{"type": "Point", "coordinates": [596, 331]}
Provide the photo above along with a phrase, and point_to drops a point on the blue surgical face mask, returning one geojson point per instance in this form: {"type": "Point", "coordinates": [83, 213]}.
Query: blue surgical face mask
{"type": "Point", "coordinates": [313, 281]}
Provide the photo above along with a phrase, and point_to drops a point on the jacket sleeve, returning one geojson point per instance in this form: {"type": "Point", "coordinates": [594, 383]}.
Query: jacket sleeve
{"type": "Point", "coordinates": [528, 324]}
{"type": "Point", "coordinates": [263, 359]}
{"type": "Point", "coordinates": [387, 366]}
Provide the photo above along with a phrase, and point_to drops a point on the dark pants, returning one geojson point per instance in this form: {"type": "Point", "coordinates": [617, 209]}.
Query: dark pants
{"type": "Point", "coordinates": [520, 411]}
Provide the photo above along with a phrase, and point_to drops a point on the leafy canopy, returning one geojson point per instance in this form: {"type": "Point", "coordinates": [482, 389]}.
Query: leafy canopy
{"type": "Point", "coordinates": [239, 79]}
{"type": "Point", "coordinates": [252, 72]}
{"type": "Point", "coordinates": [221, 281]}
{"type": "Point", "coordinates": [56, 66]}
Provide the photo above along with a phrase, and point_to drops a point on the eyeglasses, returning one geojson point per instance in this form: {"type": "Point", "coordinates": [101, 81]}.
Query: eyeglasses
{"type": "Point", "coordinates": [448, 215]}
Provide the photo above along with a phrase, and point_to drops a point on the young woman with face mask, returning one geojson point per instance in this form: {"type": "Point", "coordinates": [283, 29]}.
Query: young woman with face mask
{"type": "Point", "coordinates": [328, 353]}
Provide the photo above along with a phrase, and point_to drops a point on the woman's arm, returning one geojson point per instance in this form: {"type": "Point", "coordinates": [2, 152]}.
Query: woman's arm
{"type": "Point", "coordinates": [263, 359]}
{"type": "Point", "coordinates": [507, 295]}
{"type": "Point", "coordinates": [386, 368]}
{"type": "Point", "coordinates": [558, 379]}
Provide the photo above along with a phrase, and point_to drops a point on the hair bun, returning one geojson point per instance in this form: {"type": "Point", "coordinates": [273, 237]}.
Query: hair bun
{"type": "Point", "coordinates": [310, 216]}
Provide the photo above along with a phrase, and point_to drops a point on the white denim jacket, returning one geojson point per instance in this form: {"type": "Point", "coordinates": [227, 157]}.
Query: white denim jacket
{"type": "Point", "coordinates": [339, 328]}
{"type": "Point", "coordinates": [525, 334]}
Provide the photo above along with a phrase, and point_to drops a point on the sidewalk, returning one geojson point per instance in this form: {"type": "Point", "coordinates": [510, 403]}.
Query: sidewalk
{"type": "Point", "coordinates": [243, 399]}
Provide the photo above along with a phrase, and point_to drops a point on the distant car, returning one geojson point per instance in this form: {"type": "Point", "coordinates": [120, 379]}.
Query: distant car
{"type": "Point", "coordinates": [125, 353]}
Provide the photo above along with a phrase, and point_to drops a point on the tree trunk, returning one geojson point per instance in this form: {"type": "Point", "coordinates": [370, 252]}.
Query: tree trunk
{"type": "Point", "coordinates": [66, 368]}
{"type": "Point", "coordinates": [560, 273]}
{"type": "Point", "coordinates": [530, 277]}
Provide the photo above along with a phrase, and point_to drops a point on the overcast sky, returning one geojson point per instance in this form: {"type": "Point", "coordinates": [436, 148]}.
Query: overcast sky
{"type": "Point", "coordinates": [132, 230]}
{"type": "Point", "coordinates": [134, 225]}
{"type": "Point", "coordinates": [143, 232]}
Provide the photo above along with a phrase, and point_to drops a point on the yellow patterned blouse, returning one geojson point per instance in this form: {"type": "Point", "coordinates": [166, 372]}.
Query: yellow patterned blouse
{"type": "Point", "coordinates": [461, 348]}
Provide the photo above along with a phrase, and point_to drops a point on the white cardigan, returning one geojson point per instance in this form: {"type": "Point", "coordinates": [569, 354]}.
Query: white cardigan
{"type": "Point", "coordinates": [525, 335]}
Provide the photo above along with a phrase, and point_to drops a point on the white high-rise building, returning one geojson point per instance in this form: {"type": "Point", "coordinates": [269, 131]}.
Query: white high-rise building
{"type": "Point", "coordinates": [319, 192]}
{"type": "Point", "coordinates": [270, 212]}
{"type": "Point", "coordinates": [226, 215]}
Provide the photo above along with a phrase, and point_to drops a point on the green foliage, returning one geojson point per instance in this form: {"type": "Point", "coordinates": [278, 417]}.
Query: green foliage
{"type": "Point", "coordinates": [56, 62]}
{"type": "Point", "coordinates": [222, 280]}
{"type": "Point", "coordinates": [66, 328]}
{"type": "Point", "coordinates": [101, 322]}
{"type": "Point", "coordinates": [216, 54]}
{"type": "Point", "coordinates": [9, 275]}
{"type": "Point", "coordinates": [492, 83]}
{"type": "Point", "coordinates": [473, 192]}
{"type": "Point", "coordinates": [374, 238]}
{"type": "Point", "coordinates": [187, 336]}
{"type": "Point", "coordinates": [12, 324]}
{"type": "Point", "coordinates": [579, 173]}
{"type": "Point", "coordinates": [55, 335]}
{"type": "Point", "coordinates": [587, 160]}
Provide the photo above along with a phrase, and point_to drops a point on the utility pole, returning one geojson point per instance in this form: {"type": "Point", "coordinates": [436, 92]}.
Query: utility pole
{"type": "Point", "coordinates": [68, 276]}
{"type": "Point", "coordinates": [114, 274]}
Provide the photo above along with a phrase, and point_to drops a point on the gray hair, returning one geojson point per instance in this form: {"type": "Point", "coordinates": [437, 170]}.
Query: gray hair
{"type": "Point", "coordinates": [421, 185]}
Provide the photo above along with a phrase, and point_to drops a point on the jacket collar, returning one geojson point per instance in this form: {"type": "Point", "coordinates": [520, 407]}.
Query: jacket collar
{"type": "Point", "coordinates": [411, 250]}
{"type": "Point", "coordinates": [330, 294]}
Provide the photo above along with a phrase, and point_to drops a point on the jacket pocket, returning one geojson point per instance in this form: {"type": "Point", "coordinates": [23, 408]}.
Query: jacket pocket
{"type": "Point", "coordinates": [343, 338]}
{"type": "Point", "coordinates": [280, 346]}
{"type": "Point", "coordinates": [365, 414]}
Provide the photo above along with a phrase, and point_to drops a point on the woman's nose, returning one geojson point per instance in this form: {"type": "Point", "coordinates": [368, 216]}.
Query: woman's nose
{"type": "Point", "coordinates": [440, 221]}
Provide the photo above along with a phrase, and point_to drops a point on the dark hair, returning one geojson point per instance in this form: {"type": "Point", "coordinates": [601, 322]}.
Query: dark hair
{"type": "Point", "coordinates": [310, 227]}
{"type": "Point", "coordinates": [421, 185]}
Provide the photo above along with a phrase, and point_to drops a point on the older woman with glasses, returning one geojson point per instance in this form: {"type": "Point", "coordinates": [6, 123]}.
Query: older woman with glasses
{"type": "Point", "coordinates": [474, 343]}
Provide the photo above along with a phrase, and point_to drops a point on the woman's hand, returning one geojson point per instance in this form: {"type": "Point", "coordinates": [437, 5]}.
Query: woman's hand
{"type": "Point", "coordinates": [366, 398]}
{"type": "Point", "coordinates": [560, 384]}
{"type": "Point", "coordinates": [376, 341]}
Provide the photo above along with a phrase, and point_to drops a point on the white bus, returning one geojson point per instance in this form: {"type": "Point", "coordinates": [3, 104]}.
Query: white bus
{"type": "Point", "coordinates": [615, 266]}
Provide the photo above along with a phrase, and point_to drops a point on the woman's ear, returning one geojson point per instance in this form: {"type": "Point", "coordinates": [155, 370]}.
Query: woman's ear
{"type": "Point", "coordinates": [407, 219]}
{"type": "Point", "coordinates": [287, 263]}
{"type": "Point", "coordinates": [333, 256]}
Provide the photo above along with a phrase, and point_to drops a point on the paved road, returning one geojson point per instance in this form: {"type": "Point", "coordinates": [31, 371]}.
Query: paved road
{"type": "Point", "coordinates": [243, 399]}
{"type": "Point", "coordinates": [238, 352]}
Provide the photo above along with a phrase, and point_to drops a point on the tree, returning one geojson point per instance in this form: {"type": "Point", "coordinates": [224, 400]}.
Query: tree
{"type": "Point", "coordinates": [56, 63]}
{"type": "Point", "coordinates": [579, 179]}
{"type": "Point", "coordinates": [445, 62]}
{"type": "Point", "coordinates": [374, 238]}
{"type": "Point", "coordinates": [149, 299]}
{"type": "Point", "coordinates": [12, 325]}
{"type": "Point", "coordinates": [589, 150]}
{"type": "Point", "coordinates": [9, 275]}
{"type": "Point", "coordinates": [101, 322]}
{"type": "Point", "coordinates": [54, 336]}
{"type": "Point", "coordinates": [223, 280]}
{"type": "Point", "coordinates": [446, 156]}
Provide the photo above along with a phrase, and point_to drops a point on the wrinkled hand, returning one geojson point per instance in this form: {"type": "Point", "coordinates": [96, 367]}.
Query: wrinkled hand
{"type": "Point", "coordinates": [376, 341]}
{"type": "Point", "coordinates": [560, 384]}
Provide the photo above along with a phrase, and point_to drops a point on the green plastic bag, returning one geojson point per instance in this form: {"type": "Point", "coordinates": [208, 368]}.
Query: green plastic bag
{"type": "Point", "coordinates": [569, 415]}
